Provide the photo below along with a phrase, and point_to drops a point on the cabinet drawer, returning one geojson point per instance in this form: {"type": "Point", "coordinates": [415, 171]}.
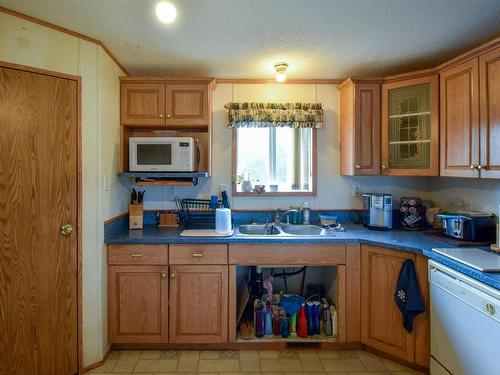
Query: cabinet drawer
{"type": "Point", "coordinates": [198, 254]}
{"type": "Point", "coordinates": [286, 254]}
{"type": "Point", "coordinates": [138, 254]}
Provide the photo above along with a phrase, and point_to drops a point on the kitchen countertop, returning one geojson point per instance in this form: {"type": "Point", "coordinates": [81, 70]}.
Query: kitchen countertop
{"type": "Point", "coordinates": [396, 239]}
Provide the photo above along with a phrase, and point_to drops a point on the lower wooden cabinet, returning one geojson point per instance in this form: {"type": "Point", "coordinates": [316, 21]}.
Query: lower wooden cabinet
{"type": "Point", "coordinates": [381, 321]}
{"type": "Point", "coordinates": [198, 304]}
{"type": "Point", "coordinates": [138, 304]}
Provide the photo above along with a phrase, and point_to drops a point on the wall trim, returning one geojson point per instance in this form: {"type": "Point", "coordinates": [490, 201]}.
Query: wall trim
{"type": "Point", "coordinates": [97, 364]}
{"type": "Point", "coordinates": [64, 30]}
{"type": "Point", "coordinates": [314, 81]}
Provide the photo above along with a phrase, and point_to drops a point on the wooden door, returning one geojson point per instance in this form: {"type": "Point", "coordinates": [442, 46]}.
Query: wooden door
{"type": "Point", "coordinates": [138, 304]}
{"type": "Point", "coordinates": [198, 304]}
{"type": "Point", "coordinates": [142, 103]}
{"type": "Point", "coordinates": [39, 193]}
{"type": "Point", "coordinates": [187, 104]}
{"type": "Point", "coordinates": [489, 70]}
{"type": "Point", "coordinates": [460, 120]}
{"type": "Point", "coordinates": [381, 320]}
{"type": "Point", "coordinates": [410, 127]}
{"type": "Point", "coordinates": [367, 129]}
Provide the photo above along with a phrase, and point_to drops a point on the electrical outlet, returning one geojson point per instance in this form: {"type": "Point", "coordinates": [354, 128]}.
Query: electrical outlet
{"type": "Point", "coordinates": [356, 190]}
{"type": "Point", "coordinates": [107, 182]}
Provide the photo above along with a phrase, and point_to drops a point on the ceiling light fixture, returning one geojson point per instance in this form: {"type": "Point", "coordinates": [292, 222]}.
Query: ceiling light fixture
{"type": "Point", "coordinates": [280, 68]}
{"type": "Point", "coordinates": [166, 12]}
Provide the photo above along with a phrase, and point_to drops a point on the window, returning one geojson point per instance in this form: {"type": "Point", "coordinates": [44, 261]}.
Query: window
{"type": "Point", "coordinates": [279, 158]}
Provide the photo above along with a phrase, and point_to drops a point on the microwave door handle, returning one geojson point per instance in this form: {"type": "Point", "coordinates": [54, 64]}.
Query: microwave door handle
{"type": "Point", "coordinates": [198, 155]}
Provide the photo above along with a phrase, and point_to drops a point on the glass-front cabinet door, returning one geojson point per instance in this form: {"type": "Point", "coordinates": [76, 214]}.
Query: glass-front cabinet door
{"type": "Point", "coordinates": [410, 127]}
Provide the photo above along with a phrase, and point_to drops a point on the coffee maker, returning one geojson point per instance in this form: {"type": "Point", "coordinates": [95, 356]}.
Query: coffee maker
{"type": "Point", "coordinates": [377, 211]}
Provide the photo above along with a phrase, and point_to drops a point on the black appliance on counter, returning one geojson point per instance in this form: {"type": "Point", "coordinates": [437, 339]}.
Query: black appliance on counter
{"type": "Point", "coordinates": [469, 225]}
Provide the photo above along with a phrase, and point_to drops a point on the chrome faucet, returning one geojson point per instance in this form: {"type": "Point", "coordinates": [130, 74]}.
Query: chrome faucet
{"type": "Point", "coordinates": [278, 217]}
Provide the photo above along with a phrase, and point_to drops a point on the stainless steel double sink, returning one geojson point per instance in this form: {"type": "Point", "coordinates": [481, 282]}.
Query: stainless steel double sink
{"type": "Point", "coordinates": [285, 230]}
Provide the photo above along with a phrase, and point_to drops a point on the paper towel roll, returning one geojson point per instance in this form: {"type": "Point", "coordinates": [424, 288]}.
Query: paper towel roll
{"type": "Point", "coordinates": [223, 220]}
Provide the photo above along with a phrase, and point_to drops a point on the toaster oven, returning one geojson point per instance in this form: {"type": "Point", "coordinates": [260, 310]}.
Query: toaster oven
{"type": "Point", "coordinates": [469, 225]}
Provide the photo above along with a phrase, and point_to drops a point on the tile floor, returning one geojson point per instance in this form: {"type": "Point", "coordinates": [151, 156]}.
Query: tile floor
{"type": "Point", "coordinates": [249, 362]}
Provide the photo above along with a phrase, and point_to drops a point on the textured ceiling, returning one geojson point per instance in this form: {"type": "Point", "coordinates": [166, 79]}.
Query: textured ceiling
{"type": "Point", "coordinates": [243, 38]}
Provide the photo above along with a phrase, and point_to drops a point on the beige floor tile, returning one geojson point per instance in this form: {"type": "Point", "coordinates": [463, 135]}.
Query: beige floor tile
{"type": "Point", "coordinates": [249, 361]}
{"type": "Point", "coordinates": [269, 354]}
{"type": "Point", "coordinates": [369, 373]}
{"type": "Point", "coordinates": [343, 364]}
{"type": "Point", "coordinates": [327, 354]}
{"type": "Point", "coordinates": [346, 354]}
{"type": "Point", "coordinates": [115, 354]}
{"type": "Point", "coordinates": [150, 354]}
{"type": "Point", "coordinates": [371, 361]}
{"type": "Point", "coordinates": [105, 367]}
{"type": "Point", "coordinates": [210, 354]}
{"type": "Point", "coordinates": [188, 361]}
{"type": "Point", "coordinates": [281, 364]}
{"type": "Point", "coordinates": [310, 361]}
{"type": "Point", "coordinates": [394, 366]}
{"type": "Point", "coordinates": [220, 365]}
{"type": "Point", "coordinates": [338, 373]}
{"type": "Point", "coordinates": [156, 365]}
{"type": "Point", "coordinates": [170, 354]}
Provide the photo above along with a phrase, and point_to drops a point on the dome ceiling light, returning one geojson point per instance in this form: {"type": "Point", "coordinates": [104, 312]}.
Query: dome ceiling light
{"type": "Point", "coordinates": [280, 68]}
{"type": "Point", "coordinates": [166, 12]}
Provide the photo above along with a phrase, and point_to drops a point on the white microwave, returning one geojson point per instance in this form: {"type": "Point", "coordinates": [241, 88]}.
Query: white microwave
{"type": "Point", "coordinates": [163, 154]}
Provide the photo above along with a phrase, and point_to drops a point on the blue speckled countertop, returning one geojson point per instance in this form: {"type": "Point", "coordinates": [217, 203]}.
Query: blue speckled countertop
{"type": "Point", "coordinates": [395, 239]}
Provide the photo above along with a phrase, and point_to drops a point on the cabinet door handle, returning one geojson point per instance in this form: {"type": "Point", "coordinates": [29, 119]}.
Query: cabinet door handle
{"type": "Point", "coordinates": [197, 255]}
{"type": "Point", "coordinates": [472, 166]}
{"type": "Point", "coordinates": [163, 275]}
{"type": "Point", "coordinates": [161, 115]}
{"type": "Point", "coordinates": [136, 255]}
{"type": "Point", "coordinates": [168, 116]}
{"type": "Point", "coordinates": [172, 275]}
{"type": "Point", "coordinates": [384, 167]}
{"type": "Point", "coordinates": [357, 166]}
{"type": "Point", "coordinates": [479, 166]}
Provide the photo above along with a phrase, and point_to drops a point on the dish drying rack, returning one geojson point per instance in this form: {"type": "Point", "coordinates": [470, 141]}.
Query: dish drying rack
{"type": "Point", "coordinates": [196, 213]}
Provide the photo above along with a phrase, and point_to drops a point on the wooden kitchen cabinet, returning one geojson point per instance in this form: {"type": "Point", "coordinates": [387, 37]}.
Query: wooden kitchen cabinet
{"type": "Point", "coordinates": [173, 103]}
{"type": "Point", "coordinates": [410, 127]}
{"type": "Point", "coordinates": [460, 120]}
{"type": "Point", "coordinates": [138, 304]}
{"type": "Point", "coordinates": [381, 320]}
{"type": "Point", "coordinates": [359, 128]}
{"type": "Point", "coordinates": [187, 104]}
{"type": "Point", "coordinates": [489, 105]}
{"type": "Point", "coordinates": [199, 304]}
{"type": "Point", "coordinates": [142, 103]}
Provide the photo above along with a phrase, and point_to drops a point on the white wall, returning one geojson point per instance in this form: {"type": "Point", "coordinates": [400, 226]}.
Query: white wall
{"type": "Point", "coordinates": [27, 43]}
{"type": "Point", "coordinates": [334, 191]}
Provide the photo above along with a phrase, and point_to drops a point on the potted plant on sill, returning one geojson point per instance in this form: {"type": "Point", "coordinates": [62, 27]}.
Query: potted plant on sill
{"type": "Point", "coordinates": [245, 179]}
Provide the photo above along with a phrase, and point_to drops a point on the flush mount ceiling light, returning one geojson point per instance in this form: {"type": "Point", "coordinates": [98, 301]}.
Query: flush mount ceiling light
{"type": "Point", "coordinates": [280, 68]}
{"type": "Point", "coordinates": [166, 12]}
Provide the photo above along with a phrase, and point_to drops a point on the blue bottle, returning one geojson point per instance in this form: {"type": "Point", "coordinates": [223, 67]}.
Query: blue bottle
{"type": "Point", "coordinates": [285, 326]}
{"type": "Point", "coordinates": [316, 324]}
{"type": "Point", "coordinates": [310, 321]}
{"type": "Point", "coordinates": [268, 320]}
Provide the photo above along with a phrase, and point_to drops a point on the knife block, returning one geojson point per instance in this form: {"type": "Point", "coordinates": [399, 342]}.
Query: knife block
{"type": "Point", "coordinates": [135, 215]}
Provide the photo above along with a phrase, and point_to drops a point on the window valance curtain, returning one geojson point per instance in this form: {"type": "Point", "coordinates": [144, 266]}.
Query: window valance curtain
{"type": "Point", "coordinates": [266, 115]}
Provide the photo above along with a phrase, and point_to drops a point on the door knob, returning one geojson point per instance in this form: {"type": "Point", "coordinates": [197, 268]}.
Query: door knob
{"type": "Point", "coordinates": [479, 166]}
{"type": "Point", "coordinates": [172, 275]}
{"type": "Point", "coordinates": [358, 166]}
{"type": "Point", "coordinates": [161, 115]}
{"type": "Point", "coordinates": [66, 229]}
{"type": "Point", "coordinates": [472, 166]}
{"type": "Point", "coordinates": [384, 167]}
{"type": "Point", "coordinates": [163, 275]}
{"type": "Point", "coordinates": [168, 116]}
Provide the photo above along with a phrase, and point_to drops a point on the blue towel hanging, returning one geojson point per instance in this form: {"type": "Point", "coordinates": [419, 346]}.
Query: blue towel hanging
{"type": "Point", "coordinates": [408, 297]}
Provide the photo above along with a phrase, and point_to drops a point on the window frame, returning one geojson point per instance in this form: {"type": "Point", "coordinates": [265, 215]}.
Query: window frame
{"type": "Point", "coordinates": [234, 163]}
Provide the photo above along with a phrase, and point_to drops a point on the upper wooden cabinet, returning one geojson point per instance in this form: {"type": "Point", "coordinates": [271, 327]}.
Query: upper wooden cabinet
{"type": "Point", "coordinates": [410, 127]}
{"type": "Point", "coordinates": [381, 321]}
{"type": "Point", "coordinates": [169, 102]}
{"type": "Point", "coordinates": [460, 120]}
{"type": "Point", "coordinates": [489, 105]}
{"type": "Point", "coordinates": [359, 128]}
{"type": "Point", "coordinates": [142, 103]}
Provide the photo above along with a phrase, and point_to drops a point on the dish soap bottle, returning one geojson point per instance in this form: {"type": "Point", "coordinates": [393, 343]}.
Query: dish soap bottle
{"type": "Point", "coordinates": [306, 213]}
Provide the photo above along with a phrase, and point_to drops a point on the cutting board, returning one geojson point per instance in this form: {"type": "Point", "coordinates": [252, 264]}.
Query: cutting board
{"type": "Point", "coordinates": [203, 233]}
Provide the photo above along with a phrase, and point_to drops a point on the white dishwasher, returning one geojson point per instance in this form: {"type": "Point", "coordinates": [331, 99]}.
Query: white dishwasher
{"type": "Point", "coordinates": [465, 324]}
